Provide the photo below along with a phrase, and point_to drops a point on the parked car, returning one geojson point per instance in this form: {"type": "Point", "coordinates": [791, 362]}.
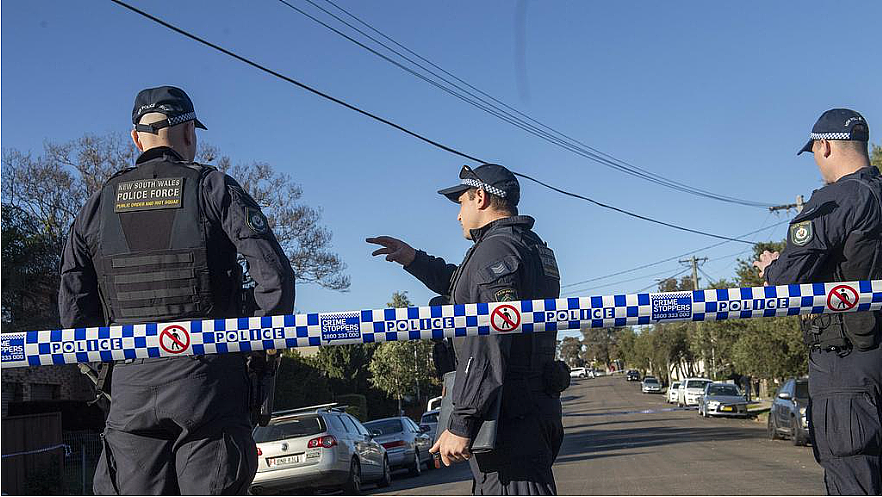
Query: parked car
{"type": "Point", "coordinates": [430, 419]}
{"type": "Point", "coordinates": [673, 391]}
{"type": "Point", "coordinates": [578, 373]}
{"type": "Point", "coordinates": [632, 375]}
{"type": "Point", "coordinates": [650, 384]}
{"type": "Point", "coordinates": [722, 399]}
{"type": "Point", "coordinates": [434, 403]}
{"type": "Point", "coordinates": [405, 442]}
{"type": "Point", "coordinates": [317, 447]}
{"type": "Point", "coordinates": [599, 372]}
{"type": "Point", "coordinates": [787, 416]}
{"type": "Point", "coordinates": [690, 390]}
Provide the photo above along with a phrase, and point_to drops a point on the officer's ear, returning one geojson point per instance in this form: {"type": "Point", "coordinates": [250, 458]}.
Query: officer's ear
{"type": "Point", "coordinates": [825, 148]}
{"type": "Point", "coordinates": [137, 141]}
{"type": "Point", "coordinates": [483, 199]}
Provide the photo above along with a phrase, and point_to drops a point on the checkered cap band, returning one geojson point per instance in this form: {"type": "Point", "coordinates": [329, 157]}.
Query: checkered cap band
{"type": "Point", "coordinates": [189, 116]}
{"type": "Point", "coordinates": [484, 186]}
{"type": "Point", "coordinates": [831, 136]}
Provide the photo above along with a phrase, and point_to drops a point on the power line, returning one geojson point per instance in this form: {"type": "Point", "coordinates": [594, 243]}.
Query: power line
{"type": "Point", "coordinates": [399, 127]}
{"type": "Point", "coordinates": [487, 104]}
{"type": "Point", "coordinates": [644, 266]}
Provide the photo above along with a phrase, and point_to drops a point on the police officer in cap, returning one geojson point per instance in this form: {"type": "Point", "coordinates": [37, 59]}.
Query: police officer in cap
{"type": "Point", "coordinates": [507, 262]}
{"type": "Point", "coordinates": [158, 243]}
{"type": "Point", "coordinates": [838, 237]}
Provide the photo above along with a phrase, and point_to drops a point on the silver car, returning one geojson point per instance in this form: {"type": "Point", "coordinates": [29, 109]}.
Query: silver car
{"type": "Point", "coordinates": [406, 444]}
{"type": "Point", "coordinates": [430, 419]}
{"type": "Point", "coordinates": [722, 399]}
{"type": "Point", "coordinates": [317, 447]}
{"type": "Point", "coordinates": [650, 384]}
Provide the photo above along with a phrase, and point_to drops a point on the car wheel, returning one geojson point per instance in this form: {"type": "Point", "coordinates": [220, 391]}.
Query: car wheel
{"type": "Point", "coordinates": [387, 475]}
{"type": "Point", "coordinates": [773, 428]}
{"type": "Point", "coordinates": [795, 437]}
{"type": "Point", "coordinates": [353, 483]}
{"type": "Point", "coordinates": [416, 468]}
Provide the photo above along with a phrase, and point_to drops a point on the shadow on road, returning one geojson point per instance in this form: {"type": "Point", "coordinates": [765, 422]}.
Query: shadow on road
{"type": "Point", "coordinates": [588, 444]}
{"type": "Point", "coordinates": [403, 481]}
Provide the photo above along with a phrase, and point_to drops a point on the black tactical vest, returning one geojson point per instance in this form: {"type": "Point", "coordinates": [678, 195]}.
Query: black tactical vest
{"type": "Point", "coordinates": [530, 353]}
{"type": "Point", "coordinates": [858, 258]}
{"type": "Point", "coordinates": [153, 259]}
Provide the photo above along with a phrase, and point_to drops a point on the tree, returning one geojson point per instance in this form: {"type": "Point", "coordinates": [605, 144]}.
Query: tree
{"type": "Point", "coordinates": [401, 367]}
{"type": "Point", "coordinates": [299, 383]}
{"type": "Point", "coordinates": [30, 273]}
{"type": "Point", "coordinates": [600, 344]}
{"type": "Point", "coordinates": [570, 351]}
{"type": "Point", "coordinates": [876, 156]}
{"type": "Point", "coordinates": [48, 190]}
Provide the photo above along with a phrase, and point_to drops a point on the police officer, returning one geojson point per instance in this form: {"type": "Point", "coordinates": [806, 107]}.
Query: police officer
{"type": "Point", "coordinates": [507, 262]}
{"type": "Point", "coordinates": [158, 243]}
{"type": "Point", "coordinates": [838, 237]}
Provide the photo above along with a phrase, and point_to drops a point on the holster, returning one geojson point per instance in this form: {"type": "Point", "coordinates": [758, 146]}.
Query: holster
{"type": "Point", "coordinates": [826, 332]}
{"type": "Point", "coordinates": [262, 369]}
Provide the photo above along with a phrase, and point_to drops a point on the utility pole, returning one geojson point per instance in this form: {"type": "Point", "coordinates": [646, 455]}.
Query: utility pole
{"type": "Point", "coordinates": [693, 261]}
{"type": "Point", "coordinates": [798, 205]}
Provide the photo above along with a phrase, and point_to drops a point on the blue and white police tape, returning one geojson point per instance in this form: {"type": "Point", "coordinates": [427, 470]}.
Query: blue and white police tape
{"type": "Point", "coordinates": [221, 336]}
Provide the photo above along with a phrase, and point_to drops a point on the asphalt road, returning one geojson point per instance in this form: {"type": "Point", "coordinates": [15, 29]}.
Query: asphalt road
{"type": "Point", "coordinates": [621, 442]}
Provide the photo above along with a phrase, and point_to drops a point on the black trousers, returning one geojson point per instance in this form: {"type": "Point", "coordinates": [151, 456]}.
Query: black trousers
{"type": "Point", "coordinates": [526, 447]}
{"type": "Point", "coordinates": [178, 426]}
{"type": "Point", "coordinates": [845, 410]}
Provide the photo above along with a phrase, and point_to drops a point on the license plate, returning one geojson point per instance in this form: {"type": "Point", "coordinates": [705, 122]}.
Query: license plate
{"type": "Point", "coordinates": [727, 409]}
{"type": "Point", "coordinates": [282, 461]}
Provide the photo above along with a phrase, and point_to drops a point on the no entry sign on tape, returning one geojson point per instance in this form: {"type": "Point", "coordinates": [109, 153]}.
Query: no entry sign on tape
{"type": "Point", "coordinates": [221, 336]}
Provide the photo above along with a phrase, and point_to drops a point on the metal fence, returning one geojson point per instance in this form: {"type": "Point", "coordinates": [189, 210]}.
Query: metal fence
{"type": "Point", "coordinates": [80, 461]}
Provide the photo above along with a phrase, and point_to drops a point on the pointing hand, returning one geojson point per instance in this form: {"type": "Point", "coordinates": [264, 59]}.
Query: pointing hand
{"type": "Point", "coordinates": [395, 249]}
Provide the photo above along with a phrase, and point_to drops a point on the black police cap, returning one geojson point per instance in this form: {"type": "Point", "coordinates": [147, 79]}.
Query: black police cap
{"type": "Point", "coordinates": [837, 124]}
{"type": "Point", "coordinates": [492, 178]}
{"type": "Point", "coordinates": [171, 101]}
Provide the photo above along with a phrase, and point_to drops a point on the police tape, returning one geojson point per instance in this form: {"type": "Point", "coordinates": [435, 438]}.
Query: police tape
{"type": "Point", "coordinates": [221, 336]}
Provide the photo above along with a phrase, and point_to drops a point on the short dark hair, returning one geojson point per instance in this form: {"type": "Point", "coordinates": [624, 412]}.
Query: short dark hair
{"type": "Point", "coordinates": [498, 203]}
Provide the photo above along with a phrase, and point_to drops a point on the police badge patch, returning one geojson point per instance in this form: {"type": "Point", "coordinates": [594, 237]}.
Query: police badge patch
{"type": "Point", "coordinates": [801, 233]}
{"type": "Point", "coordinates": [256, 220]}
{"type": "Point", "coordinates": [506, 295]}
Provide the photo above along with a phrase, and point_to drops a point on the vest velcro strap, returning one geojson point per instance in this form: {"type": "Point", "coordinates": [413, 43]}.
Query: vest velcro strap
{"type": "Point", "coordinates": [147, 260]}
{"type": "Point", "coordinates": [176, 274]}
{"type": "Point", "coordinates": [156, 294]}
{"type": "Point", "coordinates": [172, 310]}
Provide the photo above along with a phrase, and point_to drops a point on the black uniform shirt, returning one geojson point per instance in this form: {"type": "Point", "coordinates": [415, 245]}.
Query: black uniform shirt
{"type": "Point", "coordinates": [497, 268]}
{"type": "Point", "coordinates": [224, 203]}
{"type": "Point", "coordinates": [836, 232]}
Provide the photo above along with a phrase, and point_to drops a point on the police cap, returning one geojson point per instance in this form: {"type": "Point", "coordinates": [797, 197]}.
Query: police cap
{"type": "Point", "coordinates": [168, 100]}
{"type": "Point", "coordinates": [492, 178]}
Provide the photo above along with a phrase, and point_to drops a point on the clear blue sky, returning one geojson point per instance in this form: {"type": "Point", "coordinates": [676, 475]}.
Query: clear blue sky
{"type": "Point", "coordinates": [716, 95]}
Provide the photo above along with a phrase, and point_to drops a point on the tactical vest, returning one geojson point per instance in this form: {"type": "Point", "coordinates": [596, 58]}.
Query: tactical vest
{"type": "Point", "coordinates": [859, 258]}
{"type": "Point", "coordinates": [531, 353]}
{"type": "Point", "coordinates": [152, 258]}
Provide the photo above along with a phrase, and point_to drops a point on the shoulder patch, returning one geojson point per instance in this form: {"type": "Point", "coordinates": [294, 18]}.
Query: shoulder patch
{"type": "Point", "coordinates": [506, 295]}
{"type": "Point", "coordinates": [801, 233]}
{"type": "Point", "coordinates": [256, 220]}
{"type": "Point", "coordinates": [499, 268]}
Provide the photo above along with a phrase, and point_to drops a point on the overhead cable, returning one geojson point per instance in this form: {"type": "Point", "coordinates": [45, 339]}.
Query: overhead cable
{"type": "Point", "coordinates": [488, 103]}
{"type": "Point", "coordinates": [399, 127]}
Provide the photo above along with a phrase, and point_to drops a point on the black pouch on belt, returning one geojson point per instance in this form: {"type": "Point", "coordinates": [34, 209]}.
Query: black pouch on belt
{"type": "Point", "coordinates": [556, 377]}
{"type": "Point", "coordinates": [826, 332]}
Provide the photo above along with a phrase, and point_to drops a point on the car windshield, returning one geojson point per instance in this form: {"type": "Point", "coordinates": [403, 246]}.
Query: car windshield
{"type": "Point", "coordinates": [385, 426]}
{"type": "Point", "coordinates": [696, 383]}
{"type": "Point", "coordinates": [293, 428]}
{"type": "Point", "coordinates": [729, 390]}
{"type": "Point", "coordinates": [430, 418]}
{"type": "Point", "coordinates": [650, 380]}
{"type": "Point", "coordinates": [676, 384]}
{"type": "Point", "coordinates": [802, 390]}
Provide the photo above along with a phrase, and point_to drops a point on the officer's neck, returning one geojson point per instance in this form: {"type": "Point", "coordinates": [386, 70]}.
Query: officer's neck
{"type": "Point", "coordinates": [837, 171]}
